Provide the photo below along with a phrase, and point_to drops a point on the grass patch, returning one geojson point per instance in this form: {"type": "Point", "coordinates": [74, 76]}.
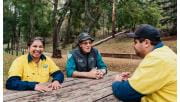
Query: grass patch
{"type": "Point", "coordinates": [7, 61]}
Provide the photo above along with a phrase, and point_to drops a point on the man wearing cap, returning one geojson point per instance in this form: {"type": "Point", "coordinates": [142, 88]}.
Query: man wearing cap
{"type": "Point", "coordinates": [154, 80]}
{"type": "Point", "coordinates": [85, 61]}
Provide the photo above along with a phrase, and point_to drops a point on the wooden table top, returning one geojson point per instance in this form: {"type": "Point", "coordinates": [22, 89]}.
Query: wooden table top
{"type": "Point", "coordinates": [73, 90]}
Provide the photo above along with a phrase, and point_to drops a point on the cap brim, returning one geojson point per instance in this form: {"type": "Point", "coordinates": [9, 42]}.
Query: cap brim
{"type": "Point", "coordinates": [131, 35]}
{"type": "Point", "coordinates": [88, 38]}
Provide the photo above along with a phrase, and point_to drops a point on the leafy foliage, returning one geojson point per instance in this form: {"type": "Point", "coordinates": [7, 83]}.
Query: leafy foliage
{"type": "Point", "coordinates": [34, 17]}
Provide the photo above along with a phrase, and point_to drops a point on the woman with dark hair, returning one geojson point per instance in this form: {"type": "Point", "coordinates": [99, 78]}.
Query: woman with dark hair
{"type": "Point", "coordinates": [29, 71]}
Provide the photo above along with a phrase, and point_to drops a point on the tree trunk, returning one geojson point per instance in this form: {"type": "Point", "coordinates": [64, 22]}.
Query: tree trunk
{"type": "Point", "coordinates": [67, 37]}
{"type": "Point", "coordinates": [86, 11]}
{"type": "Point", "coordinates": [18, 40]}
{"type": "Point", "coordinates": [57, 26]}
{"type": "Point", "coordinates": [13, 42]}
{"type": "Point", "coordinates": [103, 24]}
{"type": "Point", "coordinates": [108, 30]}
{"type": "Point", "coordinates": [113, 18]}
{"type": "Point", "coordinates": [22, 51]}
{"type": "Point", "coordinates": [56, 51]}
{"type": "Point", "coordinates": [32, 19]}
{"type": "Point", "coordinates": [12, 45]}
{"type": "Point", "coordinates": [8, 48]}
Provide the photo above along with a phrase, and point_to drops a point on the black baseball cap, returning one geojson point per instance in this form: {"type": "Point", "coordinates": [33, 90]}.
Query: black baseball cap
{"type": "Point", "coordinates": [84, 36]}
{"type": "Point", "coordinates": [146, 31]}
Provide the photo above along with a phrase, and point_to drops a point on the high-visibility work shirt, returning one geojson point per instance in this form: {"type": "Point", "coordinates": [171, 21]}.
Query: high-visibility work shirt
{"type": "Point", "coordinates": [155, 77]}
{"type": "Point", "coordinates": [32, 72]}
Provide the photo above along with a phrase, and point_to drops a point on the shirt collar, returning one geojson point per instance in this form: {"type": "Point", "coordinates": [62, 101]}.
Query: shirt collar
{"type": "Point", "coordinates": [160, 44]}
{"type": "Point", "coordinates": [42, 57]}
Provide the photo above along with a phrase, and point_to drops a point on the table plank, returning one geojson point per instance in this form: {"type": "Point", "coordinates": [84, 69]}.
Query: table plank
{"type": "Point", "coordinates": [20, 94]}
{"type": "Point", "coordinates": [87, 91]}
{"type": "Point", "coordinates": [71, 89]}
{"type": "Point", "coordinates": [64, 94]}
{"type": "Point", "coordinates": [94, 96]}
{"type": "Point", "coordinates": [110, 98]}
{"type": "Point", "coordinates": [6, 91]}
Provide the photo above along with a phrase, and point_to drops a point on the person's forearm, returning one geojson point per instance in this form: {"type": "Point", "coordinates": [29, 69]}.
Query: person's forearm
{"type": "Point", "coordinates": [81, 74]}
{"type": "Point", "coordinates": [15, 83]}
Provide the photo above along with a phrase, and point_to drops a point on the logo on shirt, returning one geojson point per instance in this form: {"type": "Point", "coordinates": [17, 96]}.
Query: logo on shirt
{"type": "Point", "coordinates": [91, 58]}
{"type": "Point", "coordinates": [80, 60]}
{"type": "Point", "coordinates": [45, 66]}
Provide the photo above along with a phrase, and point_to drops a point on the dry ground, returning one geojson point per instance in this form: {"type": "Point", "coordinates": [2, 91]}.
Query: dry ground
{"type": "Point", "coordinates": [124, 45]}
{"type": "Point", "coordinates": [114, 64]}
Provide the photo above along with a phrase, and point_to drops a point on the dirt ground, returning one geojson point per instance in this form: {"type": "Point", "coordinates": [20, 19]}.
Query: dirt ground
{"type": "Point", "coordinates": [121, 64]}
{"type": "Point", "coordinates": [114, 64]}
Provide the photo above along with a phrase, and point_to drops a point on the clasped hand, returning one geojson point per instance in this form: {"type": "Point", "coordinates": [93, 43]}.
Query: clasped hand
{"type": "Point", "coordinates": [122, 77]}
{"type": "Point", "coordinates": [94, 73]}
{"type": "Point", "coordinates": [52, 86]}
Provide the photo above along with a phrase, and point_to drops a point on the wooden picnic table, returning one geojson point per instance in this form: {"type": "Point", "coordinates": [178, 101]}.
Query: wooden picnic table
{"type": "Point", "coordinates": [73, 90]}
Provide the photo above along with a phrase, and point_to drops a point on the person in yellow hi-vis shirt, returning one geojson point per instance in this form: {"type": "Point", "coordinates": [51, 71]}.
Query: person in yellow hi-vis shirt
{"type": "Point", "coordinates": [154, 80]}
{"type": "Point", "coordinates": [29, 71]}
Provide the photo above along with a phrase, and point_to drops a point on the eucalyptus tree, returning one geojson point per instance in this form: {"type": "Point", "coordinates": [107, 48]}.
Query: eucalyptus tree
{"type": "Point", "coordinates": [25, 19]}
{"type": "Point", "coordinates": [58, 17]}
{"type": "Point", "coordinates": [169, 13]}
{"type": "Point", "coordinates": [7, 24]}
{"type": "Point", "coordinates": [11, 14]}
{"type": "Point", "coordinates": [133, 12]}
{"type": "Point", "coordinates": [83, 16]}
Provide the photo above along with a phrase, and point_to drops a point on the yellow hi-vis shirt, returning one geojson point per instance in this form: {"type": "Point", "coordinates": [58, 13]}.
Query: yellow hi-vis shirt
{"type": "Point", "coordinates": [155, 77]}
{"type": "Point", "coordinates": [32, 72]}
